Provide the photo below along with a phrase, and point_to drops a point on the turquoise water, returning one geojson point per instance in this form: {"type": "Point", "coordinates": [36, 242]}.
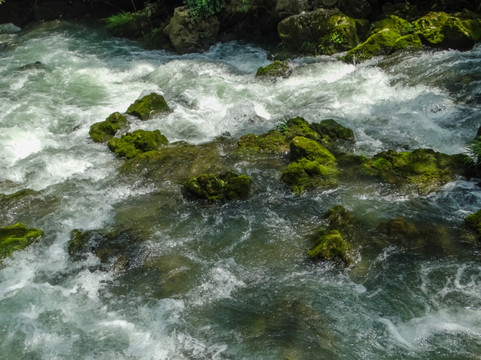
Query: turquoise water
{"type": "Point", "coordinates": [230, 281]}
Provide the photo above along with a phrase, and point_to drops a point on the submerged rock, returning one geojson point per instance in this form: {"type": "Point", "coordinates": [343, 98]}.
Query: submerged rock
{"type": "Point", "coordinates": [333, 130]}
{"type": "Point", "coordinates": [148, 106]}
{"type": "Point", "coordinates": [440, 29]}
{"type": "Point", "coordinates": [106, 130]}
{"type": "Point", "coordinates": [276, 69]}
{"type": "Point", "coordinates": [16, 237]}
{"type": "Point", "coordinates": [219, 187]}
{"type": "Point", "coordinates": [137, 142]}
{"type": "Point", "coordinates": [191, 34]}
{"type": "Point", "coordinates": [424, 169]}
{"type": "Point", "coordinates": [329, 247]}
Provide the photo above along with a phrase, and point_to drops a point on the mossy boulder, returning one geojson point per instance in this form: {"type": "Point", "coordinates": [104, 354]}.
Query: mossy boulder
{"type": "Point", "coordinates": [333, 130]}
{"type": "Point", "coordinates": [439, 29]}
{"type": "Point", "coordinates": [7, 200]}
{"type": "Point", "coordinates": [302, 147]}
{"type": "Point", "coordinates": [387, 36]}
{"type": "Point", "coordinates": [307, 175]}
{"type": "Point", "coordinates": [274, 142]}
{"type": "Point", "coordinates": [219, 187]}
{"type": "Point", "coordinates": [137, 142]}
{"type": "Point", "coordinates": [106, 130]}
{"type": "Point", "coordinates": [474, 222]}
{"type": "Point", "coordinates": [322, 31]}
{"type": "Point", "coordinates": [276, 69]}
{"type": "Point", "coordinates": [424, 169]}
{"type": "Point", "coordinates": [148, 106]}
{"type": "Point", "coordinates": [331, 246]}
{"type": "Point", "coordinates": [16, 237]}
{"type": "Point", "coordinates": [299, 127]}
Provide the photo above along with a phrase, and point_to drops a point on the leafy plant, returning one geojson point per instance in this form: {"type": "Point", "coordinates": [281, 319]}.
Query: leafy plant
{"type": "Point", "coordinates": [474, 150]}
{"type": "Point", "coordinates": [204, 8]}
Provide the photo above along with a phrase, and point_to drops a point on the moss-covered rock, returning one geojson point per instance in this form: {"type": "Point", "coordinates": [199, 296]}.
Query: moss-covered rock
{"type": "Point", "coordinates": [299, 127]}
{"type": "Point", "coordinates": [148, 106]}
{"type": "Point", "coordinates": [16, 237]}
{"type": "Point", "coordinates": [474, 222]}
{"type": "Point", "coordinates": [440, 29]}
{"type": "Point", "coordinates": [387, 36]}
{"type": "Point", "coordinates": [276, 69]}
{"type": "Point", "coordinates": [322, 31]}
{"type": "Point", "coordinates": [106, 130]}
{"type": "Point", "coordinates": [219, 187]}
{"type": "Point", "coordinates": [6, 200]}
{"type": "Point", "coordinates": [307, 174]}
{"type": "Point", "coordinates": [274, 142]}
{"type": "Point", "coordinates": [137, 142]}
{"type": "Point", "coordinates": [329, 247]}
{"type": "Point", "coordinates": [302, 147]}
{"type": "Point", "coordinates": [333, 130]}
{"type": "Point", "coordinates": [425, 169]}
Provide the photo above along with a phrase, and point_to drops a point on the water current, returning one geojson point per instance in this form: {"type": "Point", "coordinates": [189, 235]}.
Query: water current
{"type": "Point", "coordinates": [230, 281]}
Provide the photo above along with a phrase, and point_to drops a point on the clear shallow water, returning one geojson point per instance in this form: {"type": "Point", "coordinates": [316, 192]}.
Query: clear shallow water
{"type": "Point", "coordinates": [230, 281]}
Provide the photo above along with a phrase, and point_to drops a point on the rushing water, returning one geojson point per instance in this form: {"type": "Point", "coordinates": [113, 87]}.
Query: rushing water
{"type": "Point", "coordinates": [230, 281]}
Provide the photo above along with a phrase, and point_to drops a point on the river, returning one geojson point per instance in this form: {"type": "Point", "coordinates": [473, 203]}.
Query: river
{"type": "Point", "coordinates": [230, 281]}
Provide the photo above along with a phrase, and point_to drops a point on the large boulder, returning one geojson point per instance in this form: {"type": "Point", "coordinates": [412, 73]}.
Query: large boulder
{"type": "Point", "coordinates": [322, 31]}
{"type": "Point", "coordinates": [439, 29]}
{"type": "Point", "coordinates": [148, 106]}
{"type": "Point", "coordinates": [274, 70]}
{"type": "Point", "coordinates": [106, 130]}
{"type": "Point", "coordinates": [191, 34]}
{"type": "Point", "coordinates": [137, 142]}
{"type": "Point", "coordinates": [16, 237]}
{"type": "Point", "coordinates": [387, 36]}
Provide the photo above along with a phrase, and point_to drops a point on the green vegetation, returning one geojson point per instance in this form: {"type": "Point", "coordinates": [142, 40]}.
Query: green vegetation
{"type": "Point", "coordinates": [149, 106]}
{"type": "Point", "coordinates": [219, 187]}
{"type": "Point", "coordinates": [16, 237]}
{"type": "Point", "coordinates": [331, 246]}
{"type": "Point", "coordinates": [474, 221]}
{"type": "Point", "coordinates": [204, 8]}
{"type": "Point", "coordinates": [276, 69]}
{"type": "Point", "coordinates": [137, 142]}
{"type": "Point", "coordinates": [106, 130]}
{"type": "Point", "coordinates": [474, 150]}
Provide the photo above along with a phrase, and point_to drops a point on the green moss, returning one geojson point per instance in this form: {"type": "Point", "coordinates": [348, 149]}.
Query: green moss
{"type": "Point", "coordinates": [393, 22]}
{"type": "Point", "coordinates": [276, 69]}
{"type": "Point", "coordinates": [302, 147]}
{"type": "Point", "coordinates": [273, 142]}
{"type": "Point", "coordinates": [411, 41]}
{"type": "Point", "coordinates": [125, 24]}
{"type": "Point", "coordinates": [443, 30]}
{"type": "Point", "coordinates": [149, 106]}
{"type": "Point", "coordinates": [423, 168]}
{"type": "Point", "coordinates": [299, 127]}
{"type": "Point", "coordinates": [307, 174]}
{"type": "Point", "coordinates": [78, 243]}
{"type": "Point", "coordinates": [219, 187]}
{"type": "Point", "coordinates": [106, 130]}
{"type": "Point", "coordinates": [333, 130]}
{"type": "Point", "coordinates": [380, 43]}
{"type": "Point", "coordinates": [6, 200]}
{"type": "Point", "coordinates": [137, 142]}
{"type": "Point", "coordinates": [329, 247]}
{"type": "Point", "coordinates": [16, 237]}
{"type": "Point", "coordinates": [474, 221]}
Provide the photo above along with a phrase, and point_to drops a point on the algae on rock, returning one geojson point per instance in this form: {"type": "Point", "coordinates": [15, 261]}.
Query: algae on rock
{"type": "Point", "coordinates": [137, 142]}
{"type": "Point", "coordinates": [474, 221]}
{"type": "Point", "coordinates": [148, 106]}
{"type": "Point", "coordinates": [425, 169]}
{"type": "Point", "coordinates": [331, 246]}
{"type": "Point", "coordinates": [106, 130]}
{"type": "Point", "coordinates": [219, 187]}
{"type": "Point", "coordinates": [276, 69]}
{"type": "Point", "coordinates": [16, 237]}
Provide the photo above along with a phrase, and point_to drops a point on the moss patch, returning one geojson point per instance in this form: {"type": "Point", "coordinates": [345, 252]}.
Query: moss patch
{"type": "Point", "coordinates": [302, 147]}
{"type": "Point", "coordinates": [106, 130]}
{"type": "Point", "coordinates": [474, 221]}
{"type": "Point", "coordinates": [307, 174]}
{"type": "Point", "coordinates": [276, 69]}
{"type": "Point", "coordinates": [329, 247]}
{"type": "Point", "coordinates": [219, 187]}
{"type": "Point", "coordinates": [137, 142]}
{"type": "Point", "coordinates": [426, 169]}
{"type": "Point", "coordinates": [148, 106]}
{"type": "Point", "coordinates": [16, 237]}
